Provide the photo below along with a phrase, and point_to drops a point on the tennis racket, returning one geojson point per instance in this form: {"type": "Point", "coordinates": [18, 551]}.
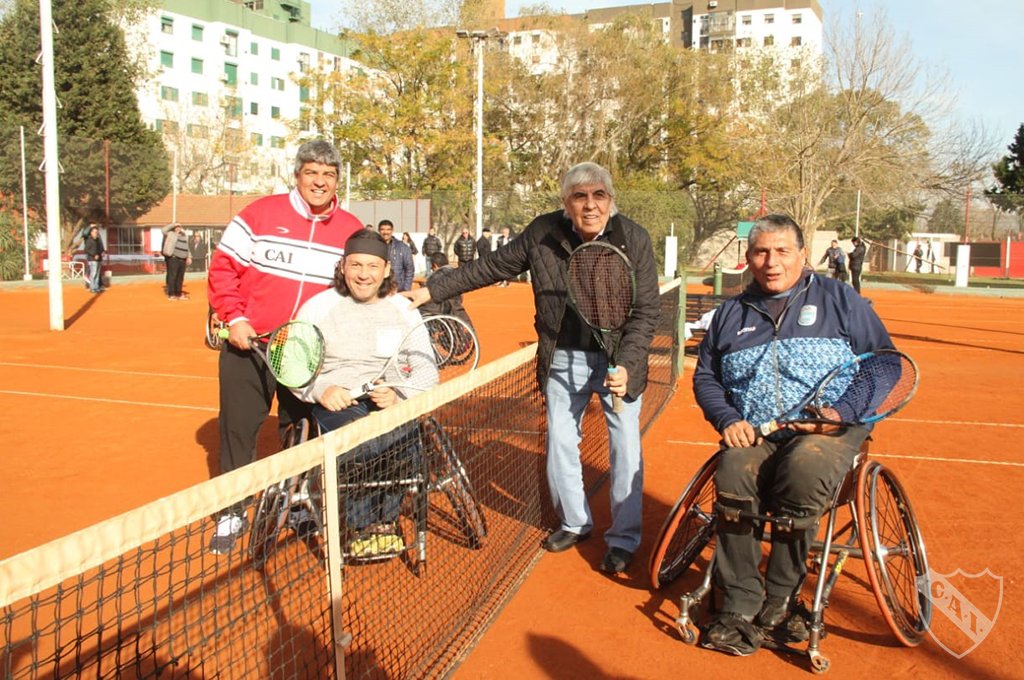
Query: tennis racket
{"type": "Point", "coordinates": [294, 352]}
{"type": "Point", "coordinates": [861, 391]}
{"type": "Point", "coordinates": [434, 350]}
{"type": "Point", "coordinates": [602, 289]}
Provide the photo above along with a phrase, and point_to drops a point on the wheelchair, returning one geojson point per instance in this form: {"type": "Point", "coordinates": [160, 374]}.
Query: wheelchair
{"type": "Point", "coordinates": [213, 328]}
{"type": "Point", "coordinates": [881, 529]}
{"type": "Point", "coordinates": [433, 466]}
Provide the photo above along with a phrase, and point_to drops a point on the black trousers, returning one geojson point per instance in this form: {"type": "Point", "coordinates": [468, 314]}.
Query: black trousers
{"type": "Point", "coordinates": [247, 390]}
{"type": "Point", "coordinates": [175, 275]}
{"type": "Point", "coordinates": [796, 478]}
{"type": "Point", "coordinates": [855, 279]}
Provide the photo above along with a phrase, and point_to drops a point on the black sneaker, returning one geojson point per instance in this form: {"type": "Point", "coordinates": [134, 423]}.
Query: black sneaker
{"type": "Point", "coordinates": [731, 633]}
{"type": "Point", "coordinates": [784, 620]}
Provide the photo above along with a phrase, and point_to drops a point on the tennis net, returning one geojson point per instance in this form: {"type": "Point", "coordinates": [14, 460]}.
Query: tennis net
{"type": "Point", "coordinates": [457, 473]}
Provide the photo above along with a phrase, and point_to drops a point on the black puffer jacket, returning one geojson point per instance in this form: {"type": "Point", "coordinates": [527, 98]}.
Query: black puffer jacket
{"type": "Point", "coordinates": [465, 249]}
{"type": "Point", "coordinates": [544, 249]}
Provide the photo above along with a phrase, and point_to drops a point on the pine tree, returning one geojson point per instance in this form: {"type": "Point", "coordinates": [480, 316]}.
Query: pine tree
{"type": "Point", "coordinates": [1008, 195]}
{"type": "Point", "coordinates": [98, 118]}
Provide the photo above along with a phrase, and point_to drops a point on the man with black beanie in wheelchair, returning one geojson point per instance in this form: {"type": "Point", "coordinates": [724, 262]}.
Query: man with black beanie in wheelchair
{"type": "Point", "coordinates": [765, 350]}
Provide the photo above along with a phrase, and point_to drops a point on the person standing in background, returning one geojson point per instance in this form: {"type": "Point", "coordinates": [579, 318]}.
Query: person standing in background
{"type": "Point", "coordinates": [465, 248]}
{"type": "Point", "coordinates": [93, 258]}
{"type": "Point", "coordinates": [399, 255]}
{"type": "Point", "coordinates": [198, 250]}
{"type": "Point", "coordinates": [483, 244]}
{"type": "Point", "coordinates": [857, 262]}
{"type": "Point", "coordinates": [175, 252]}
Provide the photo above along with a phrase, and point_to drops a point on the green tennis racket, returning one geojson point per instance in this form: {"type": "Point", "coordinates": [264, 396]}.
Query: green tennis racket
{"type": "Point", "coordinates": [294, 352]}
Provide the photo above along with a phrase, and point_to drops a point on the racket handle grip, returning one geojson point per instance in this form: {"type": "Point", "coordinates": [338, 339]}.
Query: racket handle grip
{"type": "Point", "coordinates": [618, 406]}
{"type": "Point", "coordinates": [769, 427]}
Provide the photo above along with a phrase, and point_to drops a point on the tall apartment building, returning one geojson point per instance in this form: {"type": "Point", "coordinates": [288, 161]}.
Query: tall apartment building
{"type": "Point", "coordinates": [222, 89]}
{"type": "Point", "coordinates": [710, 25]}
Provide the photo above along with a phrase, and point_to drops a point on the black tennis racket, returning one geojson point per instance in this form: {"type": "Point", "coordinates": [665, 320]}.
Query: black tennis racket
{"type": "Point", "coordinates": [861, 391]}
{"type": "Point", "coordinates": [602, 289]}
{"type": "Point", "coordinates": [434, 350]}
{"type": "Point", "coordinates": [294, 352]}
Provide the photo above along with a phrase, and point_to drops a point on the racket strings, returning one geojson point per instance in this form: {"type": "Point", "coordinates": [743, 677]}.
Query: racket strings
{"type": "Point", "coordinates": [869, 389]}
{"type": "Point", "coordinates": [601, 288]}
{"type": "Point", "coordinates": [295, 353]}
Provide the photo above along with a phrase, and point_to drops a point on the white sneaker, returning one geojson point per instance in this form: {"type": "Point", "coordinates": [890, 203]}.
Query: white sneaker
{"type": "Point", "coordinates": [229, 528]}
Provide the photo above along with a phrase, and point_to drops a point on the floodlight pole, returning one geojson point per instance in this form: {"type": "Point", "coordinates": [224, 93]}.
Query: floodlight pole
{"type": "Point", "coordinates": [477, 39]}
{"type": "Point", "coordinates": [52, 162]}
{"type": "Point", "coordinates": [27, 276]}
{"type": "Point", "coordinates": [856, 220]}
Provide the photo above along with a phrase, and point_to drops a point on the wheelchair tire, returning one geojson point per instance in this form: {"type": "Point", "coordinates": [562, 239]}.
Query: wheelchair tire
{"type": "Point", "coordinates": [688, 529]}
{"type": "Point", "coordinates": [449, 475]}
{"type": "Point", "coordinates": [213, 326]}
{"type": "Point", "coordinates": [894, 553]}
{"type": "Point", "coordinates": [266, 525]}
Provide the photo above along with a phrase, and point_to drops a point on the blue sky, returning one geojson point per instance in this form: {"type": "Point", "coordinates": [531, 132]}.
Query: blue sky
{"type": "Point", "coordinates": [981, 49]}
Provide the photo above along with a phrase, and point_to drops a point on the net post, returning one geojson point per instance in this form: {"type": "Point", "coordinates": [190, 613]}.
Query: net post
{"type": "Point", "coordinates": [680, 331]}
{"type": "Point", "coordinates": [332, 525]}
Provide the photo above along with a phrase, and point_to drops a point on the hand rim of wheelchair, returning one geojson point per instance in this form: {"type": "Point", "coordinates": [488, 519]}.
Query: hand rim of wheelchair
{"type": "Point", "coordinates": [906, 606]}
{"type": "Point", "coordinates": [213, 326]}
{"type": "Point", "coordinates": [449, 475]}
{"type": "Point", "coordinates": [884, 582]}
{"type": "Point", "coordinates": [676, 547]}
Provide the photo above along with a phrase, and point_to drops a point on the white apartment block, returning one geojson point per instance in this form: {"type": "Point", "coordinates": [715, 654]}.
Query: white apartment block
{"type": "Point", "coordinates": [221, 86]}
{"type": "Point", "coordinates": [793, 27]}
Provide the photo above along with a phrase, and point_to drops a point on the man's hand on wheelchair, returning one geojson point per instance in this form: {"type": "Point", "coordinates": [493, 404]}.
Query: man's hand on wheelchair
{"type": "Point", "coordinates": [740, 434]}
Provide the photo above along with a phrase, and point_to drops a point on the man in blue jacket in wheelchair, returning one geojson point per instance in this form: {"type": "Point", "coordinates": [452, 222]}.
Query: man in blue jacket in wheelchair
{"type": "Point", "coordinates": [765, 350]}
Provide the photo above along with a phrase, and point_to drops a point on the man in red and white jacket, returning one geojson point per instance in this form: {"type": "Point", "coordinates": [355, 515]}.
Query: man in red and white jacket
{"type": "Point", "coordinates": [275, 254]}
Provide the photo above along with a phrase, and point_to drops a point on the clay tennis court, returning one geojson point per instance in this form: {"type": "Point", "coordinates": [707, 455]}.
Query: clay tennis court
{"type": "Point", "coordinates": [120, 409]}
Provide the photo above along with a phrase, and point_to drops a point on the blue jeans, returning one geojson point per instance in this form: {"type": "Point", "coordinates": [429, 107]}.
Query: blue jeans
{"type": "Point", "coordinates": [575, 376]}
{"type": "Point", "coordinates": [392, 456]}
{"type": "Point", "coordinates": [93, 275]}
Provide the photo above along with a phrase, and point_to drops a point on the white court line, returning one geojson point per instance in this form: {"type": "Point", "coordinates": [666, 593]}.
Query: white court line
{"type": "Point", "coordinates": [884, 455]}
{"type": "Point", "coordinates": [108, 370]}
{"type": "Point", "coordinates": [972, 423]}
{"type": "Point", "coordinates": [109, 401]}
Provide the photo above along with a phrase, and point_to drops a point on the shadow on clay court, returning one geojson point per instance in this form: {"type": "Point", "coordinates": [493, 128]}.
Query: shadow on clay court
{"type": "Point", "coordinates": [563, 660]}
{"type": "Point", "coordinates": [208, 436]}
{"type": "Point", "coordinates": [924, 338]}
{"type": "Point", "coordinates": [80, 312]}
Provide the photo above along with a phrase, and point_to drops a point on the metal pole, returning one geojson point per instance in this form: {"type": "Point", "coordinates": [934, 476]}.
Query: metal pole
{"type": "Point", "coordinates": [856, 221]}
{"type": "Point", "coordinates": [348, 184]}
{"type": "Point", "coordinates": [27, 276]}
{"type": "Point", "coordinates": [478, 45]}
{"type": "Point", "coordinates": [174, 190]}
{"type": "Point", "coordinates": [52, 160]}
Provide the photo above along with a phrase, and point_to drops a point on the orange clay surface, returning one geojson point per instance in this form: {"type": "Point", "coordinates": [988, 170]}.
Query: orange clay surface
{"type": "Point", "coordinates": [120, 409]}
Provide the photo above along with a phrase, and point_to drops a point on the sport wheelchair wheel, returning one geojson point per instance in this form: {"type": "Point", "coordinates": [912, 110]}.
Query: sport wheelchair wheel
{"type": "Point", "coordinates": [894, 553]}
{"type": "Point", "coordinates": [448, 474]}
{"type": "Point", "coordinates": [266, 523]}
{"type": "Point", "coordinates": [213, 328]}
{"type": "Point", "coordinates": [688, 529]}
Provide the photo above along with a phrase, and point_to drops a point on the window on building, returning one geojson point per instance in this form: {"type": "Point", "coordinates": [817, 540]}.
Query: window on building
{"type": "Point", "coordinates": [535, 38]}
{"type": "Point", "coordinates": [747, 20]}
{"type": "Point", "coordinates": [769, 18]}
{"type": "Point", "coordinates": [233, 139]}
{"type": "Point", "coordinates": [167, 59]}
{"type": "Point", "coordinates": [254, 49]}
{"type": "Point", "coordinates": [254, 108]}
{"type": "Point", "coordinates": [517, 40]}
{"type": "Point", "coordinates": [275, 111]}
{"type": "Point", "coordinates": [796, 41]}
{"type": "Point", "coordinates": [303, 93]}
{"type": "Point", "coordinates": [200, 99]}
{"type": "Point", "coordinates": [197, 131]}
{"type": "Point", "coordinates": [277, 142]}
{"type": "Point", "coordinates": [168, 127]}
{"type": "Point", "coordinates": [743, 42]}
{"type": "Point", "coordinates": [277, 84]}
{"type": "Point", "coordinates": [798, 19]}
{"type": "Point", "coordinates": [303, 62]}
{"type": "Point", "coordinates": [256, 138]}
{"type": "Point", "coordinates": [197, 32]}
{"type": "Point", "coordinates": [230, 43]}
{"type": "Point", "coordinates": [275, 53]}
{"type": "Point", "coordinates": [166, 25]}
{"type": "Point", "coordinates": [769, 40]}
{"type": "Point", "coordinates": [233, 107]}
{"type": "Point", "coordinates": [169, 94]}
{"type": "Point", "coordinates": [337, 65]}
{"type": "Point", "coordinates": [231, 74]}
{"type": "Point", "coordinates": [197, 65]}
{"type": "Point", "coordinates": [254, 78]}
{"type": "Point", "coordinates": [794, 64]}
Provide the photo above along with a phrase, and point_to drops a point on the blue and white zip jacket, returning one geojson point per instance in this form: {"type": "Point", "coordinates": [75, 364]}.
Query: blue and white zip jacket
{"type": "Point", "coordinates": [752, 368]}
